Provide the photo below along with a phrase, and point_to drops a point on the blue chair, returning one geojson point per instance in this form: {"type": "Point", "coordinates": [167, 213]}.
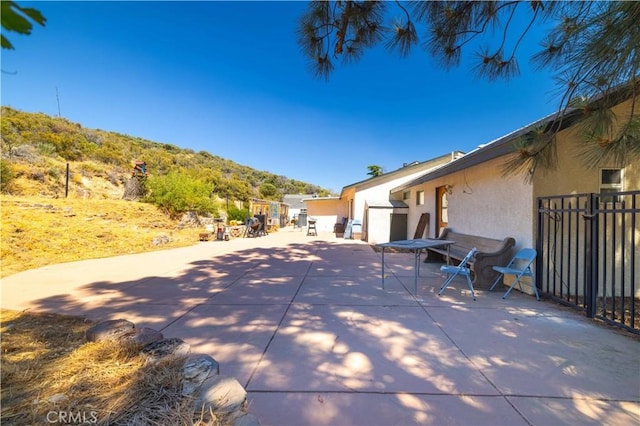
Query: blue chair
{"type": "Point", "coordinates": [519, 266]}
{"type": "Point", "coordinates": [461, 269]}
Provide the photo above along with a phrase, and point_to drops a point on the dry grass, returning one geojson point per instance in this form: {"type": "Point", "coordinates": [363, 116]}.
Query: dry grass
{"type": "Point", "coordinates": [38, 231]}
{"type": "Point", "coordinates": [49, 371]}
{"type": "Point", "coordinates": [47, 366]}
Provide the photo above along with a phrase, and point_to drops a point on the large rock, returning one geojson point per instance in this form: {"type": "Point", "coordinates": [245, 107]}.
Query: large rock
{"type": "Point", "coordinates": [197, 369]}
{"type": "Point", "coordinates": [161, 240]}
{"type": "Point", "coordinates": [155, 351]}
{"type": "Point", "coordinates": [190, 220]}
{"type": "Point", "coordinates": [223, 394]}
{"type": "Point", "coordinates": [223, 397]}
{"type": "Point", "coordinates": [141, 337]}
{"type": "Point", "coordinates": [109, 330]}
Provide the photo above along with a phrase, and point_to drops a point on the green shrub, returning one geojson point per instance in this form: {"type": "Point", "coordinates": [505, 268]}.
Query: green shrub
{"type": "Point", "coordinates": [177, 193]}
{"type": "Point", "coordinates": [7, 175]}
{"type": "Point", "coordinates": [234, 213]}
{"type": "Point", "coordinates": [56, 172]}
{"type": "Point", "coordinates": [269, 191]}
{"type": "Point", "coordinates": [46, 148]}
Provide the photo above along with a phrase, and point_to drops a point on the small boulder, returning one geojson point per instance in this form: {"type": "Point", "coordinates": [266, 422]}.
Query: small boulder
{"type": "Point", "coordinates": [141, 337]}
{"type": "Point", "coordinates": [57, 398]}
{"type": "Point", "coordinates": [161, 240]}
{"type": "Point", "coordinates": [197, 369]}
{"type": "Point", "coordinates": [223, 394]}
{"type": "Point", "coordinates": [109, 330]}
{"type": "Point", "coordinates": [165, 347]}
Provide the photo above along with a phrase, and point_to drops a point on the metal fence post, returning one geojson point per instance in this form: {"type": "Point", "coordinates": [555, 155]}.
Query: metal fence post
{"type": "Point", "coordinates": [539, 245]}
{"type": "Point", "coordinates": [591, 261]}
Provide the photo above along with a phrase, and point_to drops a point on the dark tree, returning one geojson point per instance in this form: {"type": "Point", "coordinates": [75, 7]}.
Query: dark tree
{"type": "Point", "coordinates": [374, 170]}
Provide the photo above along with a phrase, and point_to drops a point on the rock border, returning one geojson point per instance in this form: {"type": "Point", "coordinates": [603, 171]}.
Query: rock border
{"type": "Point", "coordinates": [201, 380]}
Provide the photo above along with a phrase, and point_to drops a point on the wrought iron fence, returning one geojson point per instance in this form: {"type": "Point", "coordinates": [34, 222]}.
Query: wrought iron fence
{"type": "Point", "coordinates": [589, 254]}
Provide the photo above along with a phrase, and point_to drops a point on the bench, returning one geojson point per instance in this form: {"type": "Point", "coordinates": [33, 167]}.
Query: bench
{"type": "Point", "coordinates": [491, 252]}
{"type": "Point", "coordinates": [339, 228]}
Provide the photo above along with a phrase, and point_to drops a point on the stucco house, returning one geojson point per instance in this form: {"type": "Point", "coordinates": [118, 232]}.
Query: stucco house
{"type": "Point", "coordinates": [325, 210]}
{"type": "Point", "coordinates": [359, 200]}
{"type": "Point", "coordinates": [472, 195]}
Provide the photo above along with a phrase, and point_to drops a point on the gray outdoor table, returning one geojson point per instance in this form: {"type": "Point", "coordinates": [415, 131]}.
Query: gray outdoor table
{"type": "Point", "coordinates": [416, 246]}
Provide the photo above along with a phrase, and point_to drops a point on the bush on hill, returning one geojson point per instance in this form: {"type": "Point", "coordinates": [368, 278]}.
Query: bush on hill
{"type": "Point", "coordinates": [177, 193]}
{"type": "Point", "coordinates": [37, 146]}
{"type": "Point", "coordinates": [234, 213]}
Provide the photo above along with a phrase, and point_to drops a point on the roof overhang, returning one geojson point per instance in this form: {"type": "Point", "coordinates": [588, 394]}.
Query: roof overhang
{"type": "Point", "coordinates": [405, 170]}
{"type": "Point", "coordinates": [386, 204]}
{"type": "Point", "coordinates": [306, 200]}
{"type": "Point", "coordinates": [496, 148]}
{"type": "Point", "coordinates": [555, 122]}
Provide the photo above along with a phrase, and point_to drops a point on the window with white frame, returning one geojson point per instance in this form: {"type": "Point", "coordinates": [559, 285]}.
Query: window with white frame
{"type": "Point", "coordinates": [610, 182]}
{"type": "Point", "coordinates": [419, 198]}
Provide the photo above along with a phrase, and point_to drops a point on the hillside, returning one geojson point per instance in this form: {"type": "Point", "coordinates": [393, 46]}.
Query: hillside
{"type": "Point", "coordinates": [45, 221]}
{"type": "Point", "coordinates": [36, 149]}
{"type": "Point", "coordinates": [39, 231]}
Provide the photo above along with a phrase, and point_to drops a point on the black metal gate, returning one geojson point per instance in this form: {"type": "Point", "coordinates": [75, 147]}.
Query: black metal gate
{"type": "Point", "coordinates": [589, 254]}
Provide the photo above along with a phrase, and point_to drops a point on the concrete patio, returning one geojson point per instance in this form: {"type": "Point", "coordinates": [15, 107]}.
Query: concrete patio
{"type": "Point", "coordinates": [303, 324]}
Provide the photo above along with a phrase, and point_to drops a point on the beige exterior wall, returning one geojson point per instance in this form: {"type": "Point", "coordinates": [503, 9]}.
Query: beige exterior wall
{"type": "Point", "coordinates": [346, 202]}
{"type": "Point", "coordinates": [572, 176]}
{"type": "Point", "coordinates": [415, 211]}
{"type": "Point", "coordinates": [378, 227]}
{"type": "Point", "coordinates": [482, 202]}
{"type": "Point", "coordinates": [379, 193]}
{"type": "Point", "coordinates": [632, 177]}
{"type": "Point", "coordinates": [378, 231]}
{"type": "Point", "coordinates": [379, 188]}
{"type": "Point", "coordinates": [324, 211]}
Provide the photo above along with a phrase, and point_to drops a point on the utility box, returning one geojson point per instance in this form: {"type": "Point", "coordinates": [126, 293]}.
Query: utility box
{"type": "Point", "coordinates": [302, 220]}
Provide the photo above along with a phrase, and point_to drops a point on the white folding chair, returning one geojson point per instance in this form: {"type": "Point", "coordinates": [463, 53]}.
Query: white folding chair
{"type": "Point", "coordinates": [460, 269]}
{"type": "Point", "coordinates": [519, 266]}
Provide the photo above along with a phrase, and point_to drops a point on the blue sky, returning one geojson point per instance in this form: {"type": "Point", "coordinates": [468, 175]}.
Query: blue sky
{"type": "Point", "coordinates": [229, 78]}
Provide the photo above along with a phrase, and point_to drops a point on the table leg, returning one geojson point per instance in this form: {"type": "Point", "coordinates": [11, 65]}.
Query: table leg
{"type": "Point", "coordinates": [383, 268]}
{"type": "Point", "coordinates": [416, 270]}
